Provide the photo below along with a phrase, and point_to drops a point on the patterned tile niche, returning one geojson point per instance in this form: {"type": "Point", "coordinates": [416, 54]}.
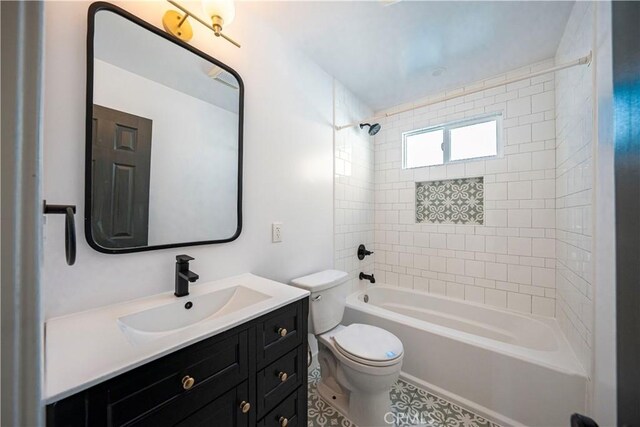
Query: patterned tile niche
{"type": "Point", "coordinates": [451, 201]}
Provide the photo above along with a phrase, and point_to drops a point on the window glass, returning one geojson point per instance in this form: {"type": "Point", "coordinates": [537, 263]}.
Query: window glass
{"type": "Point", "coordinates": [468, 142]}
{"type": "Point", "coordinates": [462, 140]}
{"type": "Point", "coordinates": [424, 149]}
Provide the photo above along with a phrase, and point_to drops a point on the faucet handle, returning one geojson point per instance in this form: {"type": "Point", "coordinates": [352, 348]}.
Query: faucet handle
{"type": "Point", "coordinates": [363, 252]}
{"type": "Point", "coordinates": [183, 259]}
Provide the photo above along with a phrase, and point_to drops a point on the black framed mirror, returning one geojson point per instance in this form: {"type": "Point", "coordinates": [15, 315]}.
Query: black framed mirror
{"type": "Point", "coordinates": [163, 139]}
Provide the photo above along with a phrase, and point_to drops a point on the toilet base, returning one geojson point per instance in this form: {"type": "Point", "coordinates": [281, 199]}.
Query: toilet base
{"type": "Point", "coordinates": [339, 401]}
{"type": "Point", "coordinates": [372, 410]}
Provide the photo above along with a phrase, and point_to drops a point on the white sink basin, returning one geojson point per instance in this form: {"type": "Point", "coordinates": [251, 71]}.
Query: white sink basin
{"type": "Point", "coordinates": [88, 348]}
{"type": "Point", "coordinates": [160, 321]}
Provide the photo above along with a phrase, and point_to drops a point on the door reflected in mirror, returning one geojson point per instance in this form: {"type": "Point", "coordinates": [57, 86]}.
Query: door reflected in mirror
{"type": "Point", "coordinates": [164, 139]}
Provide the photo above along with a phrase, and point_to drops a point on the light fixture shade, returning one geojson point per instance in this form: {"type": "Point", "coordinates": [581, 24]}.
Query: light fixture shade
{"type": "Point", "coordinates": [225, 9]}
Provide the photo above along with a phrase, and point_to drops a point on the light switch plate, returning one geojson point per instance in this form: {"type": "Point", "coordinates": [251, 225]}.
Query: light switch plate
{"type": "Point", "coordinates": [276, 232]}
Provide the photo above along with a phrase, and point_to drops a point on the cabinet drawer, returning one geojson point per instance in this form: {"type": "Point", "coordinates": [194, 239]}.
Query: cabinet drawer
{"type": "Point", "coordinates": [223, 362]}
{"type": "Point", "coordinates": [279, 379]}
{"type": "Point", "coordinates": [280, 333]}
{"type": "Point", "coordinates": [214, 367]}
{"type": "Point", "coordinates": [226, 410]}
{"type": "Point", "coordinates": [293, 410]}
{"type": "Point", "coordinates": [204, 409]}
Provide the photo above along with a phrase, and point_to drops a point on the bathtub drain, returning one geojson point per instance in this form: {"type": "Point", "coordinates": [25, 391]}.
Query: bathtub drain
{"type": "Point", "coordinates": [366, 298]}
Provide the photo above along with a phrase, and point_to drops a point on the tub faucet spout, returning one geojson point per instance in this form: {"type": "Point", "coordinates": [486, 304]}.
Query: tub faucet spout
{"type": "Point", "coordinates": [368, 277]}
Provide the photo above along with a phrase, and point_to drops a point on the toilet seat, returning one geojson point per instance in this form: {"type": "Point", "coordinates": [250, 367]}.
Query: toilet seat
{"type": "Point", "coordinates": [368, 345]}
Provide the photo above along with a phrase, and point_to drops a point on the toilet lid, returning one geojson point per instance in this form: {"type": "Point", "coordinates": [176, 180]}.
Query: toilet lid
{"type": "Point", "coordinates": [368, 343]}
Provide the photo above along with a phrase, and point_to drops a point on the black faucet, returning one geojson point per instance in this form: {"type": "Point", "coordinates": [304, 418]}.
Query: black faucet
{"type": "Point", "coordinates": [183, 275]}
{"type": "Point", "coordinates": [368, 277]}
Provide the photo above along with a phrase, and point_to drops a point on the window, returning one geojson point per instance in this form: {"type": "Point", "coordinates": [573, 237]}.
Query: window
{"type": "Point", "coordinates": [452, 142]}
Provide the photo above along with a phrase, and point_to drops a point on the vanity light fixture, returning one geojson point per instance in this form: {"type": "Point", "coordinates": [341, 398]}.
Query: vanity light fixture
{"type": "Point", "coordinates": [221, 12]}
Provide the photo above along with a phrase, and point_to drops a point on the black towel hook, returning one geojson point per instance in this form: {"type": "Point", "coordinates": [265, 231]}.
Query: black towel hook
{"type": "Point", "coordinates": [69, 228]}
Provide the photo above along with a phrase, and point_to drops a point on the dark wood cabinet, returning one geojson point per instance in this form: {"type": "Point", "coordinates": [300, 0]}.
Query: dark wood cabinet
{"type": "Point", "coordinates": [241, 377]}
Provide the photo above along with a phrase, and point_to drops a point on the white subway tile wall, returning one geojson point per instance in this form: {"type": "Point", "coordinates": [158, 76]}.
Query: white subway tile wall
{"type": "Point", "coordinates": [574, 182]}
{"type": "Point", "coordinates": [509, 261]}
{"type": "Point", "coordinates": [353, 187]}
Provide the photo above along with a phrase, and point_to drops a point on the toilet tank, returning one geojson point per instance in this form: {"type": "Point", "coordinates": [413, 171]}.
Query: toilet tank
{"type": "Point", "coordinates": [328, 298]}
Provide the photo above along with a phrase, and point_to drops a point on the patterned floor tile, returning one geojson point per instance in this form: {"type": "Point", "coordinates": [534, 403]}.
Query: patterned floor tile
{"type": "Point", "coordinates": [410, 405]}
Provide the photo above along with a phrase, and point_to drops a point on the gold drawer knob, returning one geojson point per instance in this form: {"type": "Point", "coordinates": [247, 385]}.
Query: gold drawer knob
{"type": "Point", "coordinates": [188, 382]}
{"type": "Point", "coordinates": [283, 376]}
{"type": "Point", "coordinates": [245, 406]}
{"type": "Point", "coordinates": [282, 332]}
{"type": "Point", "coordinates": [283, 422]}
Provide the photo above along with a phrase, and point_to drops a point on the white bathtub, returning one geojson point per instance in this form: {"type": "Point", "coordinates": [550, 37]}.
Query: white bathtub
{"type": "Point", "coordinates": [514, 369]}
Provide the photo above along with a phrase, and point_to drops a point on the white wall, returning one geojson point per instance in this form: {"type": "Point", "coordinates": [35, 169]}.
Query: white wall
{"type": "Point", "coordinates": [354, 176]}
{"type": "Point", "coordinates": [510, 260]}
{"type": "Point", "coordinates": [586, 204]}
{"type": "Point", "coordinates": [574, 185]}
{"type": "Point", "coordinates": [194, 149]}
{"type": "Point", "coordinates": [288, 157]}
{"type": "Point", "coordinates": [603, 407]}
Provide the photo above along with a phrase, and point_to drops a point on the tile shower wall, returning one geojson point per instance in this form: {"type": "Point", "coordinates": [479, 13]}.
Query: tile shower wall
{"type": "Point", "coordinates": [353, 187]}
{"type": "Point", "coordinates": [510, 260]}
{"type": "Point", "coordinates": [574, 183]}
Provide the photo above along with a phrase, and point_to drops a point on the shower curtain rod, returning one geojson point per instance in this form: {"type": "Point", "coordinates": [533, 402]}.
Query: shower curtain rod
{"type": "Point", "coordinates": [585, 60]}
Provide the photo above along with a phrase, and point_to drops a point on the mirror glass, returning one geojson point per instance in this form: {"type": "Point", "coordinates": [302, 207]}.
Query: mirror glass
{"type": "Point", "coordinates": [164, 140]}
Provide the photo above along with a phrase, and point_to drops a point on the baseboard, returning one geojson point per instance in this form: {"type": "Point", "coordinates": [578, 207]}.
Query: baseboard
{"type": "Point", "coordinates": [461, 401]}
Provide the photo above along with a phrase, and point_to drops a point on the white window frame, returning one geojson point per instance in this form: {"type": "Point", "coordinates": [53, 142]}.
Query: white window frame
{"type": "Point", "coordinates": [446, 143]}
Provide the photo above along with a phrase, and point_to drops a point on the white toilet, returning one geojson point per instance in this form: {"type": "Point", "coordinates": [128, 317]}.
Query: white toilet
{"type": "Point", "coordinates": [358, 363]}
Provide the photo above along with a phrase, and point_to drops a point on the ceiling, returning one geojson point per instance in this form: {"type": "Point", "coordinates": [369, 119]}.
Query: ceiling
{"type": "Point", "coordinates": [387, 52]}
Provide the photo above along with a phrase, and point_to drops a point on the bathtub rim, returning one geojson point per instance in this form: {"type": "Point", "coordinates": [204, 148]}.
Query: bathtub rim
{"type": "Point", "coordinates": [568, 364]}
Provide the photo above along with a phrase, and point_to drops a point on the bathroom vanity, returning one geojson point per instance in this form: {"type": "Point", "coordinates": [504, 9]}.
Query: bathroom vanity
{"type": "Point", "coordinates": [226, 353]}
{"type": "Point", "coordinates": [244, 367]}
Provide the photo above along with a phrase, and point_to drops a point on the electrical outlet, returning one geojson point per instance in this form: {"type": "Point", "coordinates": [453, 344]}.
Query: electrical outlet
{"type": "Point", "coordinates": [276, 232]}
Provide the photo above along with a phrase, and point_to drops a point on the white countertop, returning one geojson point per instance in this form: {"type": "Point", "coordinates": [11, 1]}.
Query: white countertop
{"type": "Point", "coordinates": [87, 348]}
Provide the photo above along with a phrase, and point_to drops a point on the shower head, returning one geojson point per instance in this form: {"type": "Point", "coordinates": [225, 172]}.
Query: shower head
{"type": "Point", "coordinates": [373, 128]}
